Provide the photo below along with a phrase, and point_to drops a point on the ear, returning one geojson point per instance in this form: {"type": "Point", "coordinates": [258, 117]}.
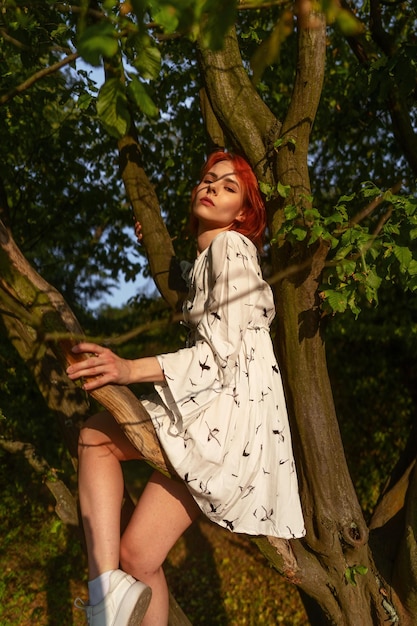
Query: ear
{"type": "Point", "coordinates": [241, 216]}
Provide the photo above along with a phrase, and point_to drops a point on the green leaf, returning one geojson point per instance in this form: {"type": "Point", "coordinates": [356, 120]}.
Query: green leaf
{"type": "Point", "coordinates": [137, 91]}
{"type": "Point", "coordinates": [299, 233]}
{"type": "Point", "coordinates": [315, 233]}
{"type": "Point", "coordinates": [290, 212]}
{"type": "Point", "coordinates": [337, 300]}
{"type": "Point", "coordinates": [370, 190]}
{"type": "Point", "coordinates": [84, 101]}
{"type": "Point", "coordinates": [412, 268]}
{"type": "Point", "coordinates": [346, 268]}
{"type": "Point", "coordinates": [335, 218]}
{"type": "Point", "coordinates": [403, 255]}
{"type": "Point", "coordinates": [112, 108]}
{"type": "Point", "coordinates": [373, 280]}
{"type": "Point", "coordinates": [311, 214]}
{"type": "Point", "coordinates": [350, 573]}
{"type": "Point", "coordinates": [97, 41]}
{"type": "Point", "coordinates": [283, 190]}
{"type": "Point", "coordinates": [348, 198]}
{"type": "Point", "coordinates": [148, 58]}
{"type": "Point", "coordinates": [348, 23]}
{"type": "Point", "coordinates": [56, 526]}
{"type": "Point", "coordinates": [267, 189]}
{"type": "Point", "coordinates": [218, 16]}
{"type": "Point", "coordinates": [350, 576]}
{"type": "Point", "coordinates": [167, 17]}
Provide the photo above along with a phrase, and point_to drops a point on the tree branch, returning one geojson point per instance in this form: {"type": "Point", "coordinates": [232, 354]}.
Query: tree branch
{"type": "Point", "coordinates": [379, 34]}
{"type": "Point", "coordinates": [71, 8]}
{"type": "Point", "coordinates": [66, 506]}
{"type": "Point", "coordinates": [145, 205]}
{"type": "Point", "coordinates": [402, 125]}
{"type": "Point", "coordinates": [37, 77]}
{"type": "Point", "coordinates": [233, 98]}
{"type": "Point", "coordinates": [405, 570]}
{"type": "Point", "coordinates": [12, 40]}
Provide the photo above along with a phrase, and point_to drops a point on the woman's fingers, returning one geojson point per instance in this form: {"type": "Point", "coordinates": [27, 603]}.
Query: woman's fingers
{"type": "Point", "coordinates": [95, 365]}
{"type": "Point", "coordinates": [100, 368]}
{"type": "Point", "coordinates": [86, 346]}
{"type": "Point", "coordinates": [138, 230]}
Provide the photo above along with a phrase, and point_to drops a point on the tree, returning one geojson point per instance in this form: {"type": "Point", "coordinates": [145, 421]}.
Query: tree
{"type": "Point", "coordinates": [329, 251]}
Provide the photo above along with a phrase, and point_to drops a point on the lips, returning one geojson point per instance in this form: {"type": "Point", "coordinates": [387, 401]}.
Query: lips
{"type": "Point", "coordinates": [207, 201]}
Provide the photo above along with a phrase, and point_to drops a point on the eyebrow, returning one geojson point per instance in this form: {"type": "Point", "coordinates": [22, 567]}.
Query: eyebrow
{"type": "Point", "coordinates": [226, 177]}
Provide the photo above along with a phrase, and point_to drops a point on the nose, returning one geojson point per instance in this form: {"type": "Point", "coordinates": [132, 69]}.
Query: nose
{"type": "Point", "coordinates": [211, 189]}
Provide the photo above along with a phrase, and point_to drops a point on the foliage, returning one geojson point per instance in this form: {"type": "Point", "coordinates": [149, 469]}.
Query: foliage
{"type": "Point", "coordinates": [61, 194]}
{"type": "Point", "coordinates": [351, 572]}
{"type": "Point", "coordinates": [371, 363]}
{"type": "Point", "coordinates": [375, 245]}
{"type": "Point", "coordinates": [144, 65]}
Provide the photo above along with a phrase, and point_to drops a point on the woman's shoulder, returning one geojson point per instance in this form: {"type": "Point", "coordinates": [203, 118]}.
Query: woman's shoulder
{"type": "Point", "coordinates": [232, 239]}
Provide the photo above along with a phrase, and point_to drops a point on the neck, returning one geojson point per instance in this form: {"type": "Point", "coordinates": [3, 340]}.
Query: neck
{"type": "Point", "coordinates": [206, 236]}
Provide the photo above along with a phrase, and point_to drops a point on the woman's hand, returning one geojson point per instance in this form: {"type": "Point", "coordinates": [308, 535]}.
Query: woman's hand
{"type": "Point", "coordinates": [100, 368]}
{"type": "Point", "coordinates": [138, 230]}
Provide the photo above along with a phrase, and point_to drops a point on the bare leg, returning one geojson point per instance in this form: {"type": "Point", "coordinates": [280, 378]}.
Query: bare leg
{"type": "Point", "coordinates": [163, 513]}
{"type": "Point", "coordinates": [102, 446]}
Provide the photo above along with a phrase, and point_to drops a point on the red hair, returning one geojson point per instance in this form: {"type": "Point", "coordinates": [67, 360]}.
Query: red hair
{"type": "Point", "coordinates": [254, 224]}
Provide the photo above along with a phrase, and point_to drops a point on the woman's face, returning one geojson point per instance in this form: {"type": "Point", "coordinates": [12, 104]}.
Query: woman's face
{"type": "Point", "coordinates": [218, 201]}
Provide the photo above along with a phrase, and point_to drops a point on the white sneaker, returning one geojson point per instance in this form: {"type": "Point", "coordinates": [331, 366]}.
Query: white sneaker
{"type": "Point", "coordinates": [125, 604]}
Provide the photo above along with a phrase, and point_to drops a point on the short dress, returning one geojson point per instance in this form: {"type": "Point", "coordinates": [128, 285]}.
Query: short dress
{"type": "Point", "coordinates": [220, 415]}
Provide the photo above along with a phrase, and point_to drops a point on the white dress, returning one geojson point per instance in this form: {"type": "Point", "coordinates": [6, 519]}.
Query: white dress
{"type": "Point", "coordinates": [221, 416]}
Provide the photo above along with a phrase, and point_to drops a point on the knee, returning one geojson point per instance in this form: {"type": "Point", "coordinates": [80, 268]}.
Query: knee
{"type": "Point", "coordinates": [139, 560]}
{"type": "Point", "coordinates": [91, 434]}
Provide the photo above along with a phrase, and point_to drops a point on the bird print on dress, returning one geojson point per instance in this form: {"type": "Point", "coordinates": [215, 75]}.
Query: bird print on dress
{"type": "Point", "coordinates": [221, 416]}
{"type": "Point", "coordinates": [246, 491]}
{"type": "Point", "coordinates": [279, 434]}
{"type": "Point", "coordinates": [204, 366]}
{"type": "Point", "coordinates": [212, 434]}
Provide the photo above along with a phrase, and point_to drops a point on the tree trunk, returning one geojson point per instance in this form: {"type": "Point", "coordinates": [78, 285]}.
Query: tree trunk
{"type": "Point", "coordinates": [324, 564]}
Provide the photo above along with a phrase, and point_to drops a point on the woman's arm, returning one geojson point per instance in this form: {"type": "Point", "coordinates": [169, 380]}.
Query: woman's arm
{"type": "Point", "coordinates": [103, 367]}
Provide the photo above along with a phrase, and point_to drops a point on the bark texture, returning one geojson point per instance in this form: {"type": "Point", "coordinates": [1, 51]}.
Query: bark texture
{"type": "Point", "coordinates": [145, 205]}
{"type": "Point", "coordinates": [336, 543]}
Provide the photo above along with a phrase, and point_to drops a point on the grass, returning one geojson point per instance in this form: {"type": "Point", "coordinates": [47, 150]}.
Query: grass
{"type": "Point", "coordinates": [219, 578]}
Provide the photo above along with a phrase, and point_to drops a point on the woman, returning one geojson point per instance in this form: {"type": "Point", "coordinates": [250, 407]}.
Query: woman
{"type": "Point", "coordinates": [218, 409]}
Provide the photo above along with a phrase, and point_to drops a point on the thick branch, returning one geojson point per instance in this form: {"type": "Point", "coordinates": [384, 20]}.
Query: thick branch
{"type": "Point", "coordinates": [156, 239]}
{"type": "Point", "coordinates": [336, 531]}
{"type": "Point", "coordinates": [246, 120]}
{"type": "Point", "coordinates": [298, 123]}
{"type": "Point", "coordinates": [405, 571]}
{"type": "Point", "coordinates": [50, 313]}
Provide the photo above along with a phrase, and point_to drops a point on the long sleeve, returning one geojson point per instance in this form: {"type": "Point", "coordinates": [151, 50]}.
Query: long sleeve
{"type": "Point", "coordinates": [227, 285]}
